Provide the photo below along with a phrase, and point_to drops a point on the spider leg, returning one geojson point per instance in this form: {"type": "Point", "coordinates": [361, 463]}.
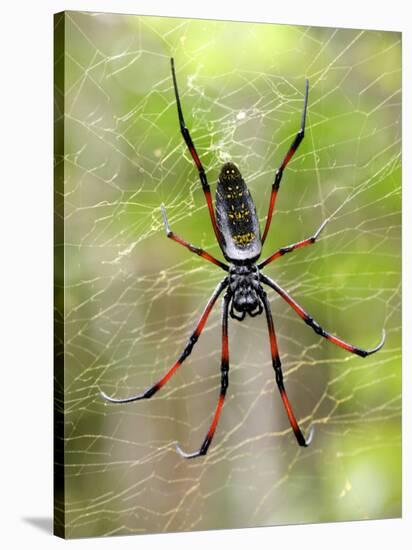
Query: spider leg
{"type": "Point", "coordinates": [191, 247]}
{"type": "Point", "coordinates": [315, 325]}
{"type": "Point", "coordinates": [279, 377]}
{"type": "Point", "coordinates": [149, 392]}
{"type": "Point", "coordinates": [279, 172]}
{"type": "Point", "coordinates": [224, 382]}
{"type": "Point", "coordinates": [188, 140]}
{"type": "Point", "coordinates": [292, 247]}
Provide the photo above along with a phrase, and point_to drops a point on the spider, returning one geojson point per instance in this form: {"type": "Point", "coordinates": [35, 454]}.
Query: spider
{"type": "Point", "coordinates": [236, 227]}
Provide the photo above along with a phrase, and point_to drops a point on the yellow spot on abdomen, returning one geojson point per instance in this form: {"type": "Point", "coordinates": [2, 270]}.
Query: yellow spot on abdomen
{"type": "Point", "coordinates": [244, 238]}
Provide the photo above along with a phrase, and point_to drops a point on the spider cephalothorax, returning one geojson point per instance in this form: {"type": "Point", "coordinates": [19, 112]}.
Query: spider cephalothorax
{"type": "Point", "coordinates": [237, 231]}
{"type": "Point", "coordinates": [246, 290]}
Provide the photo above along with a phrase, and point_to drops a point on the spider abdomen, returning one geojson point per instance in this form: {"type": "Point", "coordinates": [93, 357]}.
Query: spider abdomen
{"type": "Point", "coordinates": [236, 217]}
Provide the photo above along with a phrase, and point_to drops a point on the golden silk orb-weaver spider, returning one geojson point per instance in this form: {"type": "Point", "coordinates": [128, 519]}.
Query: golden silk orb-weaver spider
{"type": "Point", "coordinates": [236, 227]}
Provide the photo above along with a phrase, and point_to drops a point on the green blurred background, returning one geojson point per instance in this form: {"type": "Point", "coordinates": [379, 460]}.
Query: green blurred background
{"type": "Point", "coordinates": [131, 296]}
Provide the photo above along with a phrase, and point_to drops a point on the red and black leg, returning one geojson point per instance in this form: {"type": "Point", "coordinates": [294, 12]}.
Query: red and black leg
{"type": "Point", "coordinates": [224, 382]}
{"type": "Point", "coordinates": [149, 392]}
{"type": "Point", "coordinates": [292, 247]}
{"type": "Point", "coordinates": [199, 251]}
{"type": "Point", "coordinates": [315, 325]}
{"type": "Point", "coordinates": [303, 442]}
{"type": "Point", "coordinates": [279, 172]}
{"type": "Point", "coordinates": [188, 140]}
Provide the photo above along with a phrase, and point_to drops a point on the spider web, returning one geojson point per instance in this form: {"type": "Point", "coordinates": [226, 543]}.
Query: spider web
{"type": "Point", "coordinates": [132, 297]}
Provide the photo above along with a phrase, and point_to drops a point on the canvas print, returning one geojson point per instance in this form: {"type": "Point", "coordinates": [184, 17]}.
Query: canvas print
{"type": "Point", "coordinates": [227, 274]}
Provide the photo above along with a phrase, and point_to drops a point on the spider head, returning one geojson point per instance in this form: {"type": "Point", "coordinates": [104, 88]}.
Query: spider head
{"type": "Point", "coordinates": [229, 173]}
{"type": "Point", "coordinates": [246, 301]}
{"type": "Point", "coordinates": [244, 284]}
